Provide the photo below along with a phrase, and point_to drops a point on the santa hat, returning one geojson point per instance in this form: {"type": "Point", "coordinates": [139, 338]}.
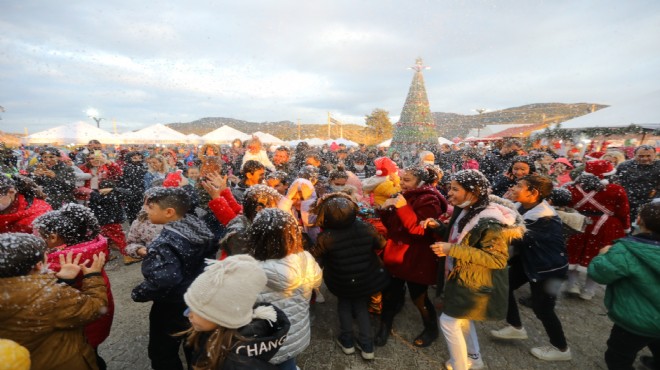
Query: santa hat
{"type": "Point", "coordinates": [173, 179]}
{"type": "Point", "coordinates": [594, 155]}
{"type": "Point", "coordinates": [599, 168]}
{"type": "Point", "coordinates": [385, 166]}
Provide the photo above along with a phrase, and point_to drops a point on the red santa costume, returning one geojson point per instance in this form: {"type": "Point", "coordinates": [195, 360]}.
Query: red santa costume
{"type": "Point", "coordinates": [606, 205]}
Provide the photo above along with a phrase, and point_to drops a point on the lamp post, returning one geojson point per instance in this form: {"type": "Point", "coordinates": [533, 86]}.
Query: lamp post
{"type": "Point", "coordinates": [480, 111]}
{"type": "Point", "coordinates": [94, 114]}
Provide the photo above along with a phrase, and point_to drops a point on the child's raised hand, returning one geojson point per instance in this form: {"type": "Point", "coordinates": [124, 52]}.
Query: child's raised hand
{"type": "Point", "coordinates": [142, 251]}
{"type": "Point", "coordinates": [97, 264]}
{"type": "Point", "coordinates": [69, 266]}
{"type": "Point", "coordinates": [429, 223]}
{"type": "Point", "coordinates": [211, 189]}
{"type": "Point", "coordinates": [218, 180]}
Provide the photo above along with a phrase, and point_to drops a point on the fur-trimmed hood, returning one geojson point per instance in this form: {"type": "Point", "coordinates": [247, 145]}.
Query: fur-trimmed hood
{"type": "Point", "coordinates": [501, 211]}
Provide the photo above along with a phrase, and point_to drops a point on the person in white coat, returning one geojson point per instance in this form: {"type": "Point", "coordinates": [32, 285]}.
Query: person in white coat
{"type": "Point", "coordinates": [275, 240]}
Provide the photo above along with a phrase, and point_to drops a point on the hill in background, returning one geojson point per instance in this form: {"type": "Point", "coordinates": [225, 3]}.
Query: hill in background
{"type": "Point", "coordinates": [448, 125]}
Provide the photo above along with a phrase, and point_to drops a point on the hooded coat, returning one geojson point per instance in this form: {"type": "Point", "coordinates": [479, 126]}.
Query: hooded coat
{"type": "Point", "coordinates": [59, 188]}
{"type": "Point", "coordinates": [290, 283]}
{"type": "Point", "coordinates": [408, 255]}
{"type": "Point", "coordinates": [174, 260]}
{"type": "Point", "coordinates": [347, 247]}
{"type": "Point", "coordinates": [478, 286]}
{"type": "Point", "coordinates": [631, 270]}
{"type": "Point", "coordinates": [97, 331]}
{"type": "Point", "coordinates": [47, 318]}
{"type": "Point", "coordinates": [542, 247]}
{"type": "Point", "coordinates": [21, 214]}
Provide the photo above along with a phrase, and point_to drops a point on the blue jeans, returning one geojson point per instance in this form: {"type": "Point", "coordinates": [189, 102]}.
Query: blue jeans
{"type": "Point", "coordinates": [358, 307]}
{"type": "Point", "coordinates": [289, 364]}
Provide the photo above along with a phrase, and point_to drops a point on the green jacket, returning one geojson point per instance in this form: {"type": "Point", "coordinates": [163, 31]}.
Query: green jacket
{"type": "Point", "coordinates": [631, 270]}
{"type": "Point", "coordinates": [478, 286]}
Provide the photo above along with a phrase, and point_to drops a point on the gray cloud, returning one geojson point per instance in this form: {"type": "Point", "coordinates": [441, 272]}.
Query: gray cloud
{"type": "Point", "coordinates": [147, 62]}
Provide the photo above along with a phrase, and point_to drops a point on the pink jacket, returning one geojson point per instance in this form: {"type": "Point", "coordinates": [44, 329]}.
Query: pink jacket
{"type": "Point", "coordinates": [97, 331]}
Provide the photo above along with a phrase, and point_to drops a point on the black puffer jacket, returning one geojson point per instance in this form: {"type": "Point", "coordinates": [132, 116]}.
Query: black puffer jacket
{"type": "Point", "coordinates": [174, 259]}
{"type": "Point", "coordinates": [262, 341]}
{"type": "Point", "coordinates": [133, 176]}
{"type": "Point", "coordinates": [107, 208]}
{"type": "Point", "coordinates": [347, 247]}
{"type": "Point", "coordinates": [542, 249]}
{"type": "Point", "coordinates": [59, 188]}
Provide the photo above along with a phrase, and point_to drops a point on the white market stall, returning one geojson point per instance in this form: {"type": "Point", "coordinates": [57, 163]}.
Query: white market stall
{"type": "Point", "coordinates": [267, 138]}
{"type": "Point", "coordinates": [340, 141]}
{"type": "Point", "coordinates": [74, 133]}
{"type": "Point", "coordinates": [387, 143]}
{"type": "Point", "coordinates": [155, 134]}
{"type": "Point", "coordinates": [225, 135]}
{"type": "Point", "coordinates": [642, 111]}
{"type": "Point", "coordinates": [194, 139]}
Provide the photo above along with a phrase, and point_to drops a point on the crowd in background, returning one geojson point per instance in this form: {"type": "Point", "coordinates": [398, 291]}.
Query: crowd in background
{"type": "Point", "coordinates": [474, 221]}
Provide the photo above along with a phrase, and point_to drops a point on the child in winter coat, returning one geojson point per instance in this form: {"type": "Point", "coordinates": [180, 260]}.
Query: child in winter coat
{"type": "Point", "coordinates": [74, 229]}
{"type": "Point", "coordinates": [476, 288]}
{"type": "Point", "coordinates": [631, 270]}
{"type": "Point", "coordinates": [275, 240]}
{"type": "Point", "coordinates": [106, 203]}
{"type": "Point", "coordinates": [171, 264]}
{"type": "Point", "coordinates": [352, 271]}
{"type": "Point", "coordinates": [540, 259]}
{"type": "Point", "coordinates": [228, 330]}
{"type": "Point", "coordinates": [141, 234]}
{"type": "Point", "coordinates": [41, 314]}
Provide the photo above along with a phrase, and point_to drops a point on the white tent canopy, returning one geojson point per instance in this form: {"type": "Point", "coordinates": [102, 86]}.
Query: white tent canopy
{"type": "Point", "coordinates": [225, 134]}
{"type": "Point", "coordinates": [341, 141]}
{"type": "Point", "coordinates": [267, 138]}
{"type": "Point", "coordinates": [311, 142]}
{"type": "Point", "coordinates": [155, 134]}
{"type": "Point", "coordinates": [73, 133]}
{"type": "Point", "coordinates": [642, 111]}
{"type": "Point", "coordinates": [442, 140]}
{"type": "Point", "coordinates": [493, 129]}
{"type": "Point", "coordinates": [387, 143]}
{"type": "Point", "coordinates": [194, 139]}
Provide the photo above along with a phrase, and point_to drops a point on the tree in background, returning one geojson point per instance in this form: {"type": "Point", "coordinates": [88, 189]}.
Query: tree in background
{"type": "Point", "coordinates": [416, 127]}
{"type": "Point", "coordinates": [379, 126]}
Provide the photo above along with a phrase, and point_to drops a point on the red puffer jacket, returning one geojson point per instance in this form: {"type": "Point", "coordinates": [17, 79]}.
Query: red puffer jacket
{"type": "Point", "coordinates": [21, 214]}
{"type": "Point", "coordinates": [97, 331]}
{"type": "Point", "coordinates": [408, 255]}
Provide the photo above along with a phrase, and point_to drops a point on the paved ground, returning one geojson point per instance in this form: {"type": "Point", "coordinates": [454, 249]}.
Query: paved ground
{"type": "Point", "coordinates": [585, 324]}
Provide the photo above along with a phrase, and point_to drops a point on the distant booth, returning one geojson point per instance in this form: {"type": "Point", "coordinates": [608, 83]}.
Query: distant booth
{"type": "Point", "coordinates": [75, 133]}
{"type": "Point", "coordinates": [225, 135]}
{"type": "Point", "coordinates": [624, 125]}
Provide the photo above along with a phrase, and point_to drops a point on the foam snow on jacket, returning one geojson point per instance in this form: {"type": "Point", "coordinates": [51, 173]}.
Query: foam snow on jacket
{"type": "Point", "coordinates": [289, 288]}
{"type": "Point", "coordinates": [97, 331]}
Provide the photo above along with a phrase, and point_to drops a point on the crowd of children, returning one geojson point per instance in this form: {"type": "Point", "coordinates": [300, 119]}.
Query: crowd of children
{"type": "Point", "coordinates": [235, 242]}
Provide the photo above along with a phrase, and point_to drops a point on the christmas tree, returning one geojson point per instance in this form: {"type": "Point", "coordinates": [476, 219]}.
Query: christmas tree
{"type": "Point", "coordinates": [416, 127]}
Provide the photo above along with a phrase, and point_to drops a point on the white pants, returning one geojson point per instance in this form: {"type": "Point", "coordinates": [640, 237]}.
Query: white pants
{"type": "Point", "coordinates": [461, 338]}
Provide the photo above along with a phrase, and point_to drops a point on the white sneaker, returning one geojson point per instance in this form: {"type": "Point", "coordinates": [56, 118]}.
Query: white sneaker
{"type": "Point", "coordinates": [472, 364]}
{"type": "Point", "coordinates": [573, 289]}
{"type": "Point", "coordinates": [346, 350]}
{"type": "Point", "coordinates": [551, 353]}
{"type": "Point", "coordinates": [509, 332]}
{"type": "Point", "coordinates": [587, 295]}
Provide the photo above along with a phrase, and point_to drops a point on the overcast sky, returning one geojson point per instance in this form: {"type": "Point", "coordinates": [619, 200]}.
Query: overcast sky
{"type": "Point", "coordinates": [146, 62]}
